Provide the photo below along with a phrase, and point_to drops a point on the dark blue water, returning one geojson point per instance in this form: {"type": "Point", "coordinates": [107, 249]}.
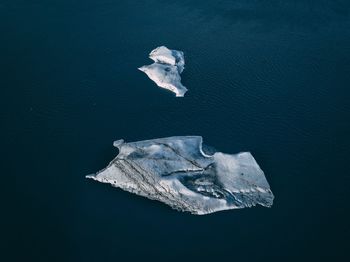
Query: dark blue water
{"type": "Point", "coordinates": [270, 77]}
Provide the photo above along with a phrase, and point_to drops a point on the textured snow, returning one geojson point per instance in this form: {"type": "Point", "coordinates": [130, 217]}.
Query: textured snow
{"type": "Point", "coordinates": [176, 171]}
{"type": "Point", "coordinates": [166, 69]}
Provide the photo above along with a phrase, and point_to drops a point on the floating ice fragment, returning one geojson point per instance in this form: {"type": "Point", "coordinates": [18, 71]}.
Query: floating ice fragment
{"type": "Point", "coordinates": [176, 171]}
{"type": "Point", "coordinates": [166, 69]}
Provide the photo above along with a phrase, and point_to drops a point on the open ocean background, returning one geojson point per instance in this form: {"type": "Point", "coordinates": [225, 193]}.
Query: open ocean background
{"type": "Point", "coordinates": [269, 77]}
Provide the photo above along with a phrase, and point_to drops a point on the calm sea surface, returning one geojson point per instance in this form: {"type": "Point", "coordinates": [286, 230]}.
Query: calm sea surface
{"type": "Point", "coordinates": [269, 77]}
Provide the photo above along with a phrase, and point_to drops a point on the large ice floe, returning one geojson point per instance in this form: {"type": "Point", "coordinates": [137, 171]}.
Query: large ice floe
{"type": "Point", "coordinates": [166, 69]}
{"type": "Point", "coordinates": [187, 175]}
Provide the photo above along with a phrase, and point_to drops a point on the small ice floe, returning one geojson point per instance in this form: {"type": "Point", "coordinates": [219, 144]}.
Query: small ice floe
{"type": "Point", "coordinates": [166, 69]}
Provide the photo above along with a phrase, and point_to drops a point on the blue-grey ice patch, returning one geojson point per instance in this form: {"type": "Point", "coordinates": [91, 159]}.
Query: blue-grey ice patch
{"type": "Point", "coordinates": [180, 172]}
{"type": "Point", "coordinates": [166, 69]}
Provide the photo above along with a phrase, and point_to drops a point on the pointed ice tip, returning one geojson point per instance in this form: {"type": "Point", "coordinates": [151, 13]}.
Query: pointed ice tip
{"type": "Point", "coordinates": [142, 68]}
{"type": "Point", "coordinates": [181, 93]}
{"type": "Point", "coordinates": [118, 143]}
{"type": "Point", "coordinates": [92, 176]}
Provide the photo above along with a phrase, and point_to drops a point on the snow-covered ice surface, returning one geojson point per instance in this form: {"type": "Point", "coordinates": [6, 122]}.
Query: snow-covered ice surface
{"type": "Point", "coordinates": [166, 69]}
{"type": "Point", "coordinates": [180, 172]}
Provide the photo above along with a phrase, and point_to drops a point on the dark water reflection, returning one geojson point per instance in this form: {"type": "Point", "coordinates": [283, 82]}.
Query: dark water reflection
{"type": "Point", "coordinates": [270, 77]}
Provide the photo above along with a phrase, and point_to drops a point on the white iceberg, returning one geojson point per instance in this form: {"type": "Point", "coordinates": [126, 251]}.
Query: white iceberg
{"type": "Point", "coordinates": [180, 172]}
{"type": "Point", "coordinates": [166, 69]}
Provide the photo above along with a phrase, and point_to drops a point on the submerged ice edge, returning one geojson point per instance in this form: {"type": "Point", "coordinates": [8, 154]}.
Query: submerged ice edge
{"type": "Point", "coordinates": [166, 69]}
{"type": "Point", "coordinates": [177, 172]}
